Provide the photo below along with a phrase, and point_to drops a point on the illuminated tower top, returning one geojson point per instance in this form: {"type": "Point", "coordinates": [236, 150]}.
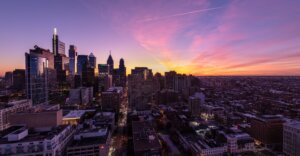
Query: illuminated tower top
{"type": "Point", "coordinates": [57, 45]}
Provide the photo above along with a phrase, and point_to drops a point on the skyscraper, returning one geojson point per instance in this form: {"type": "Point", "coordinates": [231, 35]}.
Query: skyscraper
{"type": "Point", "coordinates": [39, 72]}
{"type": "Point", "coordinates": [110, 62]}
{"type": "Point", "coordinates": [73, 59]}
{"type": "Point", "coordinates": [171, 80]}
{"type": "Point", "coordinates": [122, 72]}
{"type": "Point", "coordinates": [81, 61]}
{"type": "Point", "coordinates": [57, 45]}
{"type": "Point", "coordinates": [103, 69]}
{"type": "Point", "coordinates": [92, 61]}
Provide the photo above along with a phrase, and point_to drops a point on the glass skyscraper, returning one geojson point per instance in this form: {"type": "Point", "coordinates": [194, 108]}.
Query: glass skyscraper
{"type": "Point", "coordinates": [40, 74]}
{"type": "Point", "coordinates": [57, 46]}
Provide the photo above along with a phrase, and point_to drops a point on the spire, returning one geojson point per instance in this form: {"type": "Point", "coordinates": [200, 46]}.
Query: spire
{"type": "Point", "coordinates": [55, 31]}
{"type": "Point", "coordinates": [110, 60]}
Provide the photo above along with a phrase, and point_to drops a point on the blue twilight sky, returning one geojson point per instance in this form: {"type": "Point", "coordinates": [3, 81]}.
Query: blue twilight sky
{"type": "Point", "coordinates": [202, 37]}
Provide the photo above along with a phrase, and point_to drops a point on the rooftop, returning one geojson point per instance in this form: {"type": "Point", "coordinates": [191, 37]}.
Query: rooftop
{"type": "Point", "coordinates": [74, 114]}
{"type": "Point", "coordinates": [32, 134]}
{"type": "Point", "coordinates": [144, 136]}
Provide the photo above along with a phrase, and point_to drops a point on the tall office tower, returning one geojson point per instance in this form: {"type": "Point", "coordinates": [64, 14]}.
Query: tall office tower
{"type": "Point", "coordinates": [19, 79]}
{"type": "Point", "coordinates": [92, 61]}
{"type": "Point", "coordinates": [8, 79]}
{"type": "Point", "coordinates": [116, 77]}
{"type": "Point", "coordinates": [103, 69]}
{"type": "Point", "coordinates": [77, 81]}
{"type": "Point", "coordinates": [141, 88]}
{"type": "Point", "coordinates": [122, 72]}
{"type": "Point", "coordinates": [110, 62]}
{"type": "Point", "coordinates": [40, 74]}
{"type": "Point", "coordinates": [88, 76]}
{"type": "Point", "coordinates": [141, 73]}
{"type": "Point", "coordinates": [81, 61]}
{"type": "Point", "coordinates": [171, 80]}
{"type": "Point", "coordinates": [61, 64]}
{"type": "Point", "coordinates": [291, 138]}
{"type": "Point", "coordinates": [73, 59]}
{"type": "Point", "coordinates": [160, 79]}
{"type": "Point", "coordinates": [104, 82]}
{"type": "Point", "coordinates": [58, 46]}
{"type": "Point", "coordinates": [104, 77]}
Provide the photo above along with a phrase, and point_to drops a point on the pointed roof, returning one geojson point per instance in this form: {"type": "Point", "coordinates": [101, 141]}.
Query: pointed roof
{"type": "Point", "coordinates": [110, 59]}
{"type": "Point", "coordinates": [91, 55]}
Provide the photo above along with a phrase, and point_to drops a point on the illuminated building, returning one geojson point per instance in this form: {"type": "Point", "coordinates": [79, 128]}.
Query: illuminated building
{"type": "Point", "coordinates": [58, 47]}
{"type": "Point", "coordinates": [40, 74]}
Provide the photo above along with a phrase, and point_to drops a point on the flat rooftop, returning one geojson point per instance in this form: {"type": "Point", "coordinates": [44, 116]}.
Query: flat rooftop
{"type": "Point", "coordinates": [32, 135]}
{"type": "Point", "coordinates": [85, 141]}
{"type": "Point", "coordinates": [74, 114]}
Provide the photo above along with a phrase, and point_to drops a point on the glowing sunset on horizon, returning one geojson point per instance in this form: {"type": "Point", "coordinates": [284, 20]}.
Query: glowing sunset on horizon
{"type": "Point", "coordinates": [199, 37]}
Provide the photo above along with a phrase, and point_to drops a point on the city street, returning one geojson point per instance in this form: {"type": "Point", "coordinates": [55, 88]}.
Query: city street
{"type": "Point", "coordinates": [118, 145]}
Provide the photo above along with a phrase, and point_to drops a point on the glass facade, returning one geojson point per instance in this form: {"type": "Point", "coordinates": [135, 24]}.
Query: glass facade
{"type": "Point", "coordinates": [37, 79]}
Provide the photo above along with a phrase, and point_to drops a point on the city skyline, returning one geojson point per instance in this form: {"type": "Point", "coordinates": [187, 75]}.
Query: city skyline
{"type": "Point", "coordinates": [203, 37]}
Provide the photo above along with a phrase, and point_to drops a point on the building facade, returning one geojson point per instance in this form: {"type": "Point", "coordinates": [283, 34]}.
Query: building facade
{"type": "Point", "coordinates": [291, 138]}
{"type": "Point", "coordinates": [12, 108]}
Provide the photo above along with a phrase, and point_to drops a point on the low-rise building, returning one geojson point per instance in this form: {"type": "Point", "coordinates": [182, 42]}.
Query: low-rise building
{"type": "Point", "coordinates": [239, 142]}
{"type": "Point", "coordinates": [38, 119]}
{"type": "Point", "coordinates": [201, 146]}
{"type": "Point", "coordinates": [20, 141]}
{"type": "Point", "coordinates": [90, 142]}
{"type": "Point", "coordinates": [12, 108]}
{"type": "Point", "coordinates": [145, 139]}
{"type": "Point", "coordinates": [73, 117]}
{"type": "Point", "coordinates": [267, 129]}
{"type": "Point", "coordinates": [104, 119]}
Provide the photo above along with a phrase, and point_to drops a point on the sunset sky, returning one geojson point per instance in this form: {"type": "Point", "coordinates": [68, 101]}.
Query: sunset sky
{"type": "Point", "coordinates": [201, 37]}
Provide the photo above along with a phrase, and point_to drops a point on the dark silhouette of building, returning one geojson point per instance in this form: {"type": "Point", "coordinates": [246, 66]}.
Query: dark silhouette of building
{"type": "Point", "coordinates": [61, 64]}
{"type": "Point", "coordinates": [73, 59]}
{"type": "Point", "coordinates": [19, 79]}
{"type": "Point", "coordinates": [110, 62]}
{"type": "Point", "coordinates": [92, 61]}
{"type": "Point", "coordinates": [103, 69]}
{"type": "Point", "coordinates": [171, 78]}
{"type": "Point", "coordinates": [81, 61]}
{"type": "Point", "coordinates": [104, 82]}
{"type": "Point", "coordinates": [88, 76]}
{"type": "Point", "coordinates": [8, 79]}
{"type": "Point", "coordinates": [77, 81]}
{"type": "Point", "coordinates": [268, 130]}
{"type": "Point", "coordinates": [141, 72]}
{"type": "Point", "coordinates": [122, 73]}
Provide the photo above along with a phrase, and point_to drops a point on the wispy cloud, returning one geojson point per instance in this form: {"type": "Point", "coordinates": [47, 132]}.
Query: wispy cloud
{"type": "Point", "coordinates": [179, 14]}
